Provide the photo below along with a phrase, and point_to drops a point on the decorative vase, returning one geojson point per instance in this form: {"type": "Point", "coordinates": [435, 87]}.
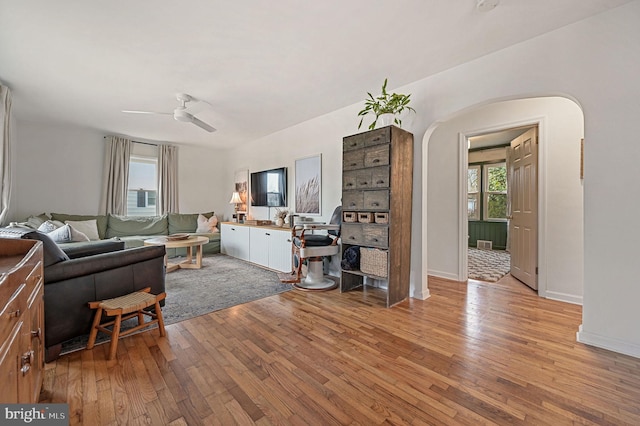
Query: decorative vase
{"type": "Point", "coordinates": [279, 221]}
{"type": "Point", "coordinates": [385, 120]}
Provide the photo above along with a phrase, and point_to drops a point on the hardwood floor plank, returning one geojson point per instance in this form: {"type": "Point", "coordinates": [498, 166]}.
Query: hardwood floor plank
{"type": "Point", "coordinates": [471, 354]}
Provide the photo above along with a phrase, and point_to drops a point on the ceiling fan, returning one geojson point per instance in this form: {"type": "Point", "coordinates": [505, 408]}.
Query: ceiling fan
{"type": "Point", "coordinates": [182, 112]}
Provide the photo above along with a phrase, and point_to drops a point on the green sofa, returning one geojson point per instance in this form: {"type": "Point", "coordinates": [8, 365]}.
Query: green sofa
{"type": "Point", "coordinates": [133, 230]}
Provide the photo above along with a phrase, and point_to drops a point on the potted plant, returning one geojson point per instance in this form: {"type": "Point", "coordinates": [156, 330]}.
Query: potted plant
{"type": "Point", "coordinates": [386, 103]}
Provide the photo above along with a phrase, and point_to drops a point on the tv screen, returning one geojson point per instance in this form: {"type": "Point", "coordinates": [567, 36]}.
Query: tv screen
{"type": "Point", "coordinates": [269, 188]}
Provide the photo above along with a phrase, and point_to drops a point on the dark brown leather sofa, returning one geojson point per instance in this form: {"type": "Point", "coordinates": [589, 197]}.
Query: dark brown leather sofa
{"type": "Point", "coordinates": [79, 275]}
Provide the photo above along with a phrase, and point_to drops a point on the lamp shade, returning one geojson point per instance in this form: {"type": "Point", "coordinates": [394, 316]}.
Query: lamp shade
{"type": "Point", "coordinates": [235, 198]}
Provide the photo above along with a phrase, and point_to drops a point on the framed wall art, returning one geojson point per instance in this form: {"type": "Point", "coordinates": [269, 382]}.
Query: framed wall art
{"type": "Point", "coordinates": [308, 185]}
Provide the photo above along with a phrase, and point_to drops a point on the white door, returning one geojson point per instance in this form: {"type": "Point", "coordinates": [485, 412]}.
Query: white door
{"type": "Point", "coordinates": [523, 224]}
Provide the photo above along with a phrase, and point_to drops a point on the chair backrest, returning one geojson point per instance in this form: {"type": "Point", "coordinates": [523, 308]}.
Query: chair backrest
{"type": "Point", "coordinates": [336, 219]}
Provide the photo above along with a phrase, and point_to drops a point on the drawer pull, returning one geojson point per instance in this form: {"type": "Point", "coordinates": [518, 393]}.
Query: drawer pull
{"type": "Point", "coordinates": [375, 240]}
{"type": "Point", "coordinates": [36, 333]}
{"type": "Point", "coordinates": [353, 164]}
{"type": "Point", "coordinates": [267, 234]}
{"type": "Point", "coordinates": [14, 314]}
{"type": "Point", "coordinates": [380, 181]}
{"type": "Point", "coordinates": [352, 237]}
{"type": "Point", "coordinates": [364, 183]}
{"type": "Point", "coordinates": [26, 360]}
{"type": "Point", "coordinates": [375, 204]}
{"type": "Point", "coordinates": [377, 160]}
{"type": "Point", "coordinates": [349, 184]}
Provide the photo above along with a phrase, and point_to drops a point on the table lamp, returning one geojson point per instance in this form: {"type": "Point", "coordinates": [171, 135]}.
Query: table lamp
{"type": "Point", "coordinates": [235, 199]}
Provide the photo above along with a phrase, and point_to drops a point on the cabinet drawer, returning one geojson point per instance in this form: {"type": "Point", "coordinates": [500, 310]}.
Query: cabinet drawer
{"type": "Point", "coordinates": [375, 236]}
{"type": "Point", "coordinates": [375, 200]}
{"type": "Point", "coordinates": [349, 180]}
{"type": "Point", "coordinates": [377, 137]}
{"type": "Point", "coordinates": [352, 200]}
{"type": "Point", "coordinates": [353, 142]}
{"type": "Point", "coordinates": [352, 160]}
{"type": "Point", "coordinates": [351, 233]}
{"type": "Point", "coordinates": [376, 156]}
{"type": "Point", "coordinates": [13, 310]}
{"type": "Point", "coordinates": [365, 235]}
{"type": "Point", "coordinates": [380, 177]}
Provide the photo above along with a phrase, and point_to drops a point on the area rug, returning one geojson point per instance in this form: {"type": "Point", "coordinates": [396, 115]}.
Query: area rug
{"type": "Point", "coordinates": [223, 281]}
{"type": "Point", "coordinates": [488, 265]}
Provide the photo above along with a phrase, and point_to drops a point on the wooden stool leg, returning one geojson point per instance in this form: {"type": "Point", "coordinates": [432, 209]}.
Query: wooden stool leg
{"type": "Point", "coordinates": [140, 317]}
{"type": "Point", "coordinates": [115, 335]}
{"type": "Point", "coordinates": [94, 329]}
{"type": "Point", "coordinates": [160, 319]}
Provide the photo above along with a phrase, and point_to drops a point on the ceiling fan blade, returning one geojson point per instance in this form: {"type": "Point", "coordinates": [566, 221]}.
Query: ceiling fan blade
{"type": "Point", "coordinates": [146, 112]}
{"type": "Point", "coordinates": [202, 124]}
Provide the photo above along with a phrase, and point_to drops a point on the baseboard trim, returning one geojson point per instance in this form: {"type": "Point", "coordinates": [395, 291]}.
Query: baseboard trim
{"type": "Point", "coordinates": [445, 275]}
{"type": "Point", "coordinates": [563, 297]}
{"type": "Point", "coordinates": [608, 343]}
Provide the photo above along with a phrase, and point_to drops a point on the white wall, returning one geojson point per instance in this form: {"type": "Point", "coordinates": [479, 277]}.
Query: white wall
{"type": "Point", "coordinates": [59, 169]}
{"type": "Point", "coordinates": [561, 207]}
{"type": "Point", "coordinates": [594, 62]}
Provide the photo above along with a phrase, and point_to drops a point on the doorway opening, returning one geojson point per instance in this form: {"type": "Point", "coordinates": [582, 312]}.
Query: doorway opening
{"type": "Point", "coordinates": [490, 202]}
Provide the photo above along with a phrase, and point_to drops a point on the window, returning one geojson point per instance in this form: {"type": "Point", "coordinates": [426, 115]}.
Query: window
{"type": "Point", "coordinates": [495, 192]}
{"type": "Point", "coordinates": [487, 186]}
{"type": "Point", "coordinates": [473, 190]}
{"type": "Point", "coordinates": [143, 186]}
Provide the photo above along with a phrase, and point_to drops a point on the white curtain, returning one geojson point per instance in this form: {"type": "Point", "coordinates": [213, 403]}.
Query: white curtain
{"type": "Point", "coordinates": [116, 175]}
{"type": "Point", "coordinates": [168, 179]}
{"type": "Point", "coordinates": [5, 151]}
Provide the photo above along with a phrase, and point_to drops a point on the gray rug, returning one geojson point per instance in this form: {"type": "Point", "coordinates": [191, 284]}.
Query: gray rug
{"type": "Point", "coordinates": [488, 265]}
{"type": "Point", "coordinates": [222, 282]}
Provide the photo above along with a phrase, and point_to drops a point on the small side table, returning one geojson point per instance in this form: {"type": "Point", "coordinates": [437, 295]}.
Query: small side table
{"type": "Point", "coordinates": [130, 305]}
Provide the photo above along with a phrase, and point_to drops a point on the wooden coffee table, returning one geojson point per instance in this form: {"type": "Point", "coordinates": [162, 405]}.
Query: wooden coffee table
{"type": "Point", "coordinates": [189, 243]}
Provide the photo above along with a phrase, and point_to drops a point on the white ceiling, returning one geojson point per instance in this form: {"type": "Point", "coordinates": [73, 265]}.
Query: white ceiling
{"type": "Point", "coordinates": [264, 66]}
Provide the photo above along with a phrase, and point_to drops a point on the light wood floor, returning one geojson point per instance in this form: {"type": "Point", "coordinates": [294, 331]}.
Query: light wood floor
{"type": "Point", "coordinates": [476, 354]}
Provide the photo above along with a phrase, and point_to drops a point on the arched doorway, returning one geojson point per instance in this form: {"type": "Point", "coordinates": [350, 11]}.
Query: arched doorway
{"type": "Point", "coordinates": [560, 252]}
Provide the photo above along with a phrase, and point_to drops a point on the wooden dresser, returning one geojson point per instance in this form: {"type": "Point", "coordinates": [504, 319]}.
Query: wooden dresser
{"type": "Point", "coordinates": [377, 185]}
{"type": "Point", "coordinates": [21, 320]}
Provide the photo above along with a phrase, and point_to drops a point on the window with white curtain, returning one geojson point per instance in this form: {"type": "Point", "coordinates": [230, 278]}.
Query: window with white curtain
{"type": "Point", "coordinates": [143, 186]}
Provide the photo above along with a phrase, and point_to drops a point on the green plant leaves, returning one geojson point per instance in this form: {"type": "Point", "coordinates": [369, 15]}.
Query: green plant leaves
{"type": "Point", "coordinates": [394, 103]}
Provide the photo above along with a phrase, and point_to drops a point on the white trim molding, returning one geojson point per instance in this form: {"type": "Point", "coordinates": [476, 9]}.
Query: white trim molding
{"type": "Point", "coordinates": [609, 343]}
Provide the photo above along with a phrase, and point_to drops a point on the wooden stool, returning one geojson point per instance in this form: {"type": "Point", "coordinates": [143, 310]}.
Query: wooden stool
{"type": "Point", "coordinates": [130, 306]}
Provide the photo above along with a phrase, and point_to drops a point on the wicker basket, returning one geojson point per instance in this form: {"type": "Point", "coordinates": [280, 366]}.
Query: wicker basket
{"type": "Point", "coordinates": [365, 217]}
{"type": "Point", "coordinates": [349, 217]}
{"type": "Point", "coordinates": [381, 217]}
{"type": "Point", "coordinates": [373, 261]}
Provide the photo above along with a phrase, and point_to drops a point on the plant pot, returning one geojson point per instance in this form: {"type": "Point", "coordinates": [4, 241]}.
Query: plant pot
{"type": "Point", "coordinates": [385, 120]}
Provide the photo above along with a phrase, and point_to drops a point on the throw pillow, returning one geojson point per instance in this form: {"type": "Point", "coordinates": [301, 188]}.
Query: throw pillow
{"type": "Point", "coordinates": [87, 227]}
{"type": "Point", "coordinates": [67, 234]}
{"type": "Point", "coordinates": [207, 226]}
{"type": "Point", "coordinates": [48, 226]}
{"type": "Point", "coordinates": [51, 252]}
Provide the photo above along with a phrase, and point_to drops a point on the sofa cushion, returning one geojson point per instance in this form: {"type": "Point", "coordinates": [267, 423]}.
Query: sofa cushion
{"type": "Point", "coordinates": [121, 226]}
{"type": "Point", "coordinates": [101, 221]}
{"type": "Point", "coordinates": [184, 222]}
{"type": "Point", "coordinates": [51, 253]}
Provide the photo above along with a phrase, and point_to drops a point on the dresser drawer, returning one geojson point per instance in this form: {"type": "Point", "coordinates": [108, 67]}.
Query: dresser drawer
{"type": "Point", "coordinates": [377, 137]}
{"type": "Point", "coordinates": [376, 156]}
{"type": "Point", "coordinates": [375, 200]}
{"type": "Point", "coordinates": [353, 142]}
{"type": "Point", "coordinates": [13, 310]}
{"type": "Point", "coordinates": [353, 160]}
{"type": "Point", "coordinates": [375, 236]}
{"type": "Point", "coordinates": [365, 235]}
{"type": "Point", "coordinates": [352, 200]}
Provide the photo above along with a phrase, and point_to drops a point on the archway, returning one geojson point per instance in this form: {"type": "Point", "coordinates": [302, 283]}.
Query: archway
{"type": "Point", "coordinates": [561, 124]}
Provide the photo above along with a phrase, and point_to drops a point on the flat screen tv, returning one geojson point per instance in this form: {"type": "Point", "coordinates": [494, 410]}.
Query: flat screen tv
{"type": "Point", "coordinates": [269, 188]}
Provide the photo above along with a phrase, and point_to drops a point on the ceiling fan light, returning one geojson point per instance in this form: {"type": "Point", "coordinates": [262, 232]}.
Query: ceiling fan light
{"type": "Point", "coordinates": [182, 115]}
